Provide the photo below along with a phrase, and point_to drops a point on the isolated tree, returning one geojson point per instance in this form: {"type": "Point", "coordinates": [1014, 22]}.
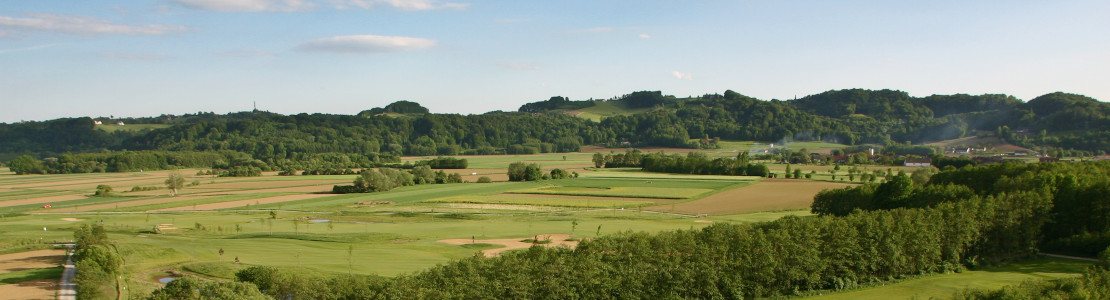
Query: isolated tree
{"type": "Point", "coordinates": [175, 181]}
{"type": "Point", "coordinates": [103, 190]}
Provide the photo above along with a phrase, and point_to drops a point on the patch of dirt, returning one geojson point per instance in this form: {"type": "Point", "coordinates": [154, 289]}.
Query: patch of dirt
{"type": "Point", "coordinates": [240, 203]}
{"type": "Point", "coordinates": [37, 259]}
{"type": "Point", "coordinates": [135, 203]}
{"type": "Point", "coordinates": [41, 200]}
{"type": "Point", "coordinates": [557, 240]}
{"type": "Point", "coordinates": [72, 219]}
{"type": "Point", "coordinates": [767, 195]}
{"type": "Point", "coordinates": [40, 289]}
{"type": "Point", "coordinates": [703, 221]}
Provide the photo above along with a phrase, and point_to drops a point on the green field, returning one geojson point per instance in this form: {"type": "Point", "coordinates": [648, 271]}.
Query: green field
{"type": "Point", "coordinates": [388, 233]}
{"type": "Point", "coordinates": [946, 285]}
{"type": "Point", "coordinates": [130, 127]}
{"type": "Point", "coordinates": [604, 109]}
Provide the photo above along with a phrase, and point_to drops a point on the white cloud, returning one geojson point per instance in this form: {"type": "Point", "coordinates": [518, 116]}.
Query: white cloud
{"type": "Point", "coordinates": [521, 66]}
{"type": "Point", "coordinates": [303, 5]}
{"type": "Point", "coordinates": [365, 44]}
{"type": "Point", "coordinates": [135, 56]}
{"type": "Point", "coordinates": [423, 4]}
{"type": "Point", "coordinates": [247, 5]}
{"type": "Point", "coordinates": [82, 25]}
{"type": "Point", "coordinates": [681, 75]}
{"type": "Point", "coordinates": [645, 36]}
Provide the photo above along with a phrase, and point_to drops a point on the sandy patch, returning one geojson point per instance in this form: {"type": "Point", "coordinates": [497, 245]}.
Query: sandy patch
{"type": "Point", "coordinates": [241, 203]}
{"type": "Point", "coordinates": [767, 195]}
{"type": "Point", "coordinates": [41, 200]}
{"type": "Point", "coordinates": [43, 289]}
{"type": "Point", "coordinates": [703, 221]}
{"type": "Point", "coordinates": [37, 259]}
{"type": "Point", "coordinates": [72, 219]}
{"type": "Point", "coordinates": [557, 240]}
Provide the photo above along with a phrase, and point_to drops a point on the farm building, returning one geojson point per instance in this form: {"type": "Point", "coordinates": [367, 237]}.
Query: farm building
{"type": "Point", "coordinates": [97, 122]}
{"type": "Point", "coordinates": [918, 162]}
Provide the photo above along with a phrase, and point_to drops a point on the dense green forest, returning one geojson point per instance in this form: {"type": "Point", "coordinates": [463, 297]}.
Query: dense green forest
{"type": "Point", "coordinates": [856, 116]}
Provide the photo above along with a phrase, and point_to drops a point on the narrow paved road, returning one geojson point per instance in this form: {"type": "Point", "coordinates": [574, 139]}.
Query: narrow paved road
{"type": "Point", "coordinates": [67, 290]}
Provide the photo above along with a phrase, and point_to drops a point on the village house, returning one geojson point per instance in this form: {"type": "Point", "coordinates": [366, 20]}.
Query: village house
{"type": "Point", "coordinates": [918, 162]}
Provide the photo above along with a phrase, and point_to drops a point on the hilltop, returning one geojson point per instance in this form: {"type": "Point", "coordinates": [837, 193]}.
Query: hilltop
{"type": "Point", "coordinates": [1054, 122]}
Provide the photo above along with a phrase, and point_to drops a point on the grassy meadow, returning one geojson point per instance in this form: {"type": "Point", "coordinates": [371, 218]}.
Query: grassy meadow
{"type": "Point", "coordinates": [292, 222]}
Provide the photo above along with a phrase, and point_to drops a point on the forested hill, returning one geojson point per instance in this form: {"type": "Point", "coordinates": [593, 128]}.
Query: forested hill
{"type": "Point", "coordinates": [856, 116]}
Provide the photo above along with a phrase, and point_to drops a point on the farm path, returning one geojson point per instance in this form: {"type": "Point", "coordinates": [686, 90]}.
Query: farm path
{"type": "Point", "coordinates": [67, 290]}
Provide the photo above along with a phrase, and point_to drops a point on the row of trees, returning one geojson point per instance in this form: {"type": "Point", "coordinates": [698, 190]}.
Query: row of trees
{"type": "Point", "coordinates": [98, 264]}
{"type": "Point", "coordinates": [1067, 204]}
{"type": "Point", "coordinates": [385, 179]}
{"type": "Point", "coordinates": [700, 163]}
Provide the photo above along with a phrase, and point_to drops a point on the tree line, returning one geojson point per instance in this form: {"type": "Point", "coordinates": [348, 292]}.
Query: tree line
{"type": "Point", "coordinates": [1069, 201]}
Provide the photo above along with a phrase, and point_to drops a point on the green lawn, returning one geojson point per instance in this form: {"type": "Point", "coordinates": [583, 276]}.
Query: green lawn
{"type": "Point", "coordinates": [946, 285]}
{"type": "Point", "coordinates": [129, 127]}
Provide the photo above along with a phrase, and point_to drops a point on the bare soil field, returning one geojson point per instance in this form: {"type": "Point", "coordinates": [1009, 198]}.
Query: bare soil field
{"type": "Point", "coordinates": [41, 289]}
{"type": "Point", "coordinates": [767, 195]}
{"type": "Point", "coordinates": [37, 259]}
{"type": "Point", "coordinates": [41, 200]}
{"type": "Point", "coordinates": [133, 203]}
{"type": "Point", "coordinates": [557, 240]}
{"type": "Point", "coordinates": [240, 203]}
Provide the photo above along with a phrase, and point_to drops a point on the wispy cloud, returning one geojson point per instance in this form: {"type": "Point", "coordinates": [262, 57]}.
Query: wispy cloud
{"type": "Point", "coordinates": [245, 53]}
{"type": "Point", "coordinates": [247, 5]}
{"type": "Point", "coordinates": [681, 75]}
{"type": "Point", "coordinates": [365, 44]}
{"type": "Point", "coordinates": [82, 25]}
{"type": "Point", "coordinates": [645, 36]}
{"type": "Point", "coordinates": [423, 4]}
{"type": "Point", "coordinates": [304, 5]}
{"type": "Point", "coordinates": [32, 48]}
{"type": "Point", "coordinates": [135, 56]}
{"type": "Point", "coordinates": [521, 66]}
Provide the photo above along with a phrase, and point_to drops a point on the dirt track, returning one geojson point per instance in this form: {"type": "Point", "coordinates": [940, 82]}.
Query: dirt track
{"type": "Point", "coordinates": [557, 240]}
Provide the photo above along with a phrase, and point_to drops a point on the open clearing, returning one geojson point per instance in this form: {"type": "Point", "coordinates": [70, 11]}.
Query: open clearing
{"type": "Point", "coordinates": [767, 195]}
{"type": "Point", "coordinates": [557, 240]}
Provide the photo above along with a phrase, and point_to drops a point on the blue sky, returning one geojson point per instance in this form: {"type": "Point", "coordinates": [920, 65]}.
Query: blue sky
{"type": "Point", "coordinates": [150, 57]}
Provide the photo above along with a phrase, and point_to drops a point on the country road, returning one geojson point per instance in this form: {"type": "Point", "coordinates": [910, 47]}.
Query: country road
{"type": "Point", "coordinates": [67, 290]}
